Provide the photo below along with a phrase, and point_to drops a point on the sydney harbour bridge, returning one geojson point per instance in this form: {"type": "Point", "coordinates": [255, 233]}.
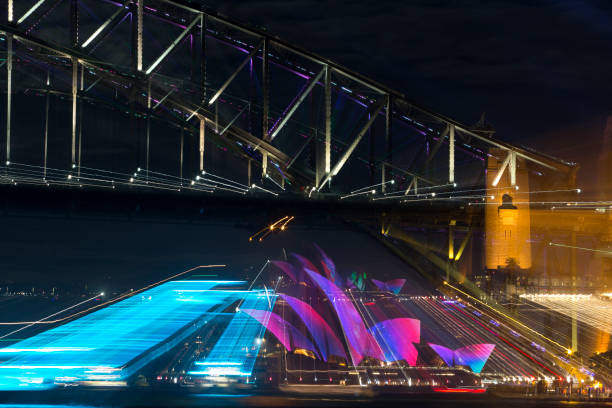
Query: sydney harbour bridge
{"type": "Point", "coordinates": [137, 103]}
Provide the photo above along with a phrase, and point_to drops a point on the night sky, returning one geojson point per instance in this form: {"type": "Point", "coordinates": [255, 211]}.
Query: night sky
{"type": "Point", "coordinates": [539, 69]}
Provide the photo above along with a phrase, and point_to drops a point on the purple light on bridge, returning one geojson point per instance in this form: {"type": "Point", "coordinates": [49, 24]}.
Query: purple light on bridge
{"type": "Point", "coordinates": [396, 338]}
{"type": "Point", "coordinates": [326, 340]}
{"type": "Point", "coordinates": [360, 341]}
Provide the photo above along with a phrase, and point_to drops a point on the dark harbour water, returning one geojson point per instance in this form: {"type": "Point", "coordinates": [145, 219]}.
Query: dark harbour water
{"type": "Point", "coordinates": [77, 398]}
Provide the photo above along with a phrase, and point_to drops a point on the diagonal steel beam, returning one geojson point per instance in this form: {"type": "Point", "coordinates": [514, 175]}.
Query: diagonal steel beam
{"type": "Point", "coordinates": [376, 110]}
{"type": "Point", "coordinates": [236, 72]}
{"type": "Point", "coordinates": [501, 169]}
{"type": "Point", "coordinates": [173, 45]}
{"type": "Point", "coordinates": [235, 118]}
{"type": "Point", "coordinates": [437, 146]}
{"type": "Point", "coordinates": [295, 104]}
{"type": "Point", "coordinates": [30, 11]}
{"type": "Point", "coordinates": [170, 92]}
{"type": "Point", "coordinates": [117, 15]}
{"type": "Point", "coordinates": [414, 184]}
{"type": "Point", "coordinates": [463, 244]}
{"type": "Point", "coordinates": [294, 158]}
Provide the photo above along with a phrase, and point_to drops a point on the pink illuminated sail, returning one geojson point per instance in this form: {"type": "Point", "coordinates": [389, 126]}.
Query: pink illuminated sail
{"type": "Point", "coordinates": [396, 338]}
{"type": "Point", "coordinates": [360, 341]}
{"type": "Point", "coordinates": [285, 332]}
{"type": "Point", "coordinates": [287, 269]}
{"type": "Point", "coordinates": [324, 337]}
{"type": "Point", "coordinates": [394, 285]}
{"type": "Point", "coordinates": [328, 265]}
{"type": "Point", "coordinates": [474, 356]}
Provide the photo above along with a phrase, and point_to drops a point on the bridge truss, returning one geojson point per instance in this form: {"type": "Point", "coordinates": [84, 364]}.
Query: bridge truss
{"type": "Point", "coordinates": [167, 94]}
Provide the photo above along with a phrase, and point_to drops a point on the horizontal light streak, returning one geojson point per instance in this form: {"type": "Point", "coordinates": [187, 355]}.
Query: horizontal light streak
{"type": "Point", "coordinates": [506, 316]}
{"type": "Point", "coordinates": [580, 248]}
{"type": "Point", "coordinates": [43, 349]}
{"type": "Point", "coordinates": [587, 309]}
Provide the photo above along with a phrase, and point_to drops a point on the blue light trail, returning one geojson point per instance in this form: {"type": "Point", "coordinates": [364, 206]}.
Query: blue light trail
{"type": "Point", "coordinates": [112, 343]}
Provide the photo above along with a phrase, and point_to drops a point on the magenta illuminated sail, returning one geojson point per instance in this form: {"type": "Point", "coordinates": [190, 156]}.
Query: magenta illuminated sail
{"type": "Point", "coordinates": [323, 335]}
{"type": "Point", "coordinates": [328, 265]}
{"type": "Point", "coordinates": [394, 285]}
{"type": "Point", "coordinates": [285, 332]}
{"type": "Point", "coordinates": [287, 268]}
{"type": "Point", "coordinates": [474, 356]}
{"type": "Point", "coordinates": [445, 353]}
{"type": "Point", "coordinates": [360, 341]}
{"type": "Point", "coordinates": [396, 338]}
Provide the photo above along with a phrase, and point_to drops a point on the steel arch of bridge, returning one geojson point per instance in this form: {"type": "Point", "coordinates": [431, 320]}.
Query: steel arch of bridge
{"type": "Point", "coordinates": [191, 104]}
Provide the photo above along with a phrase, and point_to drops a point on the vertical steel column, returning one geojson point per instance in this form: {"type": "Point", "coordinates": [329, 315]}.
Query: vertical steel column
{"type": "Point", "coordinates": [139, 13]}
{"type": "Point", "coordinates": [371, 158]}
{"type": "Point", "coordinates": [148, 141]}
{"type": "Point", "coordinates": [217, 117]}
{"type": "Point", "coordinates": [75, 71]}
{"type": "Point", "coordinates": [265, 89]}
{"type": "Point", "coordinates": [249, 164]}
{"type": "Point", "coordinates": [9, 75]}
{"type": "Point", "coordinates": [203, 57]}
{"type": "Point", "coordinates": [252, 93]}
{"type": "Point", "coordinates": [46, 127]}
{"type": "Point", "coordinates": [328, 124]}
{"type": "Point", "coordinates": [388, 143]}
{"type": "Point", "coordinates": [574, 284]}
{"type": "Point", "coordinates": [181, 155]}
{"type": "Point", "coordinates": [74, 23]}
{"type": "Point", "coordinates": [451, 154]}
{"type": "Point", "coordinates": [81, 122]}
{"type": "Point", "coordinates": [266, 102]}
{"type": "Point", "coordinates": [451, 249]}
{"type": "Point", "coordinates": [202, 135]}
{"type": "Point", "coordinates": [264, 164]}
{"type": "Point", "coordinates": [9, 83]}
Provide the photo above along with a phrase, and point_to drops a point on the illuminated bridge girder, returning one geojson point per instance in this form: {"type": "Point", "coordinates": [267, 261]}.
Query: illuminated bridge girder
{"type": "Point", "coordinates": [304, 138]}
